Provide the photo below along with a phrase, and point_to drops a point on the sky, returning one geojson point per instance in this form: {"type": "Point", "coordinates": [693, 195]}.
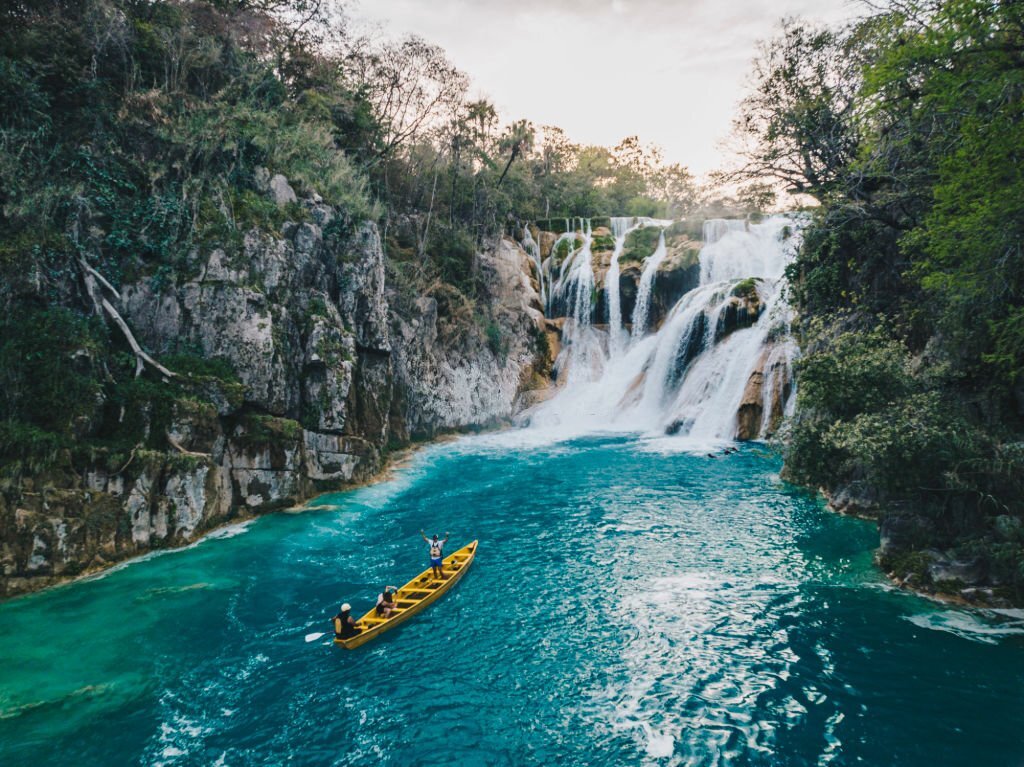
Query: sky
{"type": "Point", "coordinates": [669, 72]}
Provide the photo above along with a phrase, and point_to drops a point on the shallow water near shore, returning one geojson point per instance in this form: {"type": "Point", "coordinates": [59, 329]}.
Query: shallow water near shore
{"type": "Point", "coordinates": [630, 604]}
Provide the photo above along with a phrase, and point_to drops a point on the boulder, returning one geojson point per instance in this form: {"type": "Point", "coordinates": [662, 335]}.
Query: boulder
{"type": "Point", "coordinates": [281, 191]}
{"type": "Point", "coordinates": [900, 531]}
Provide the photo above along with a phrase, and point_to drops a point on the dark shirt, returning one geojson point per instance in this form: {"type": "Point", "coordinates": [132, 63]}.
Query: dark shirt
{"type": "Point", "coordinates": [347, 629]}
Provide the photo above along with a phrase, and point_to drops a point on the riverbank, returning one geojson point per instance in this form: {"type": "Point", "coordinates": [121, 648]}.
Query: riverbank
{"type": "Point", "coordinates": [394, 461]}
{"type": "Point", "coordinates": [694, 610]}
{"type": "Point", "coordinates": [926, 571]}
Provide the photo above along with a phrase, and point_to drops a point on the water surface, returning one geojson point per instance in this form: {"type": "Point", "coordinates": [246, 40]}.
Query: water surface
{"type": "Point", "coordinates": [628, 606]}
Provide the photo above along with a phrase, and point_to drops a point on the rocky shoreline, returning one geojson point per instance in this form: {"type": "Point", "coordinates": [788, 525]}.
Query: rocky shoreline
{"type": "Point", "coordinates": [910, 563]}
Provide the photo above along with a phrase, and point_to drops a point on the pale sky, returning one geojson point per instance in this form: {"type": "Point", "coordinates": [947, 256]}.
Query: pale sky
{"type": "Point", "coordinates": [670, 72]}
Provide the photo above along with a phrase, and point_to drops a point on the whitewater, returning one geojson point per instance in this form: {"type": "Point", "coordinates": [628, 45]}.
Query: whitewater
{"type": "Point", "coordinates": [687, 377]}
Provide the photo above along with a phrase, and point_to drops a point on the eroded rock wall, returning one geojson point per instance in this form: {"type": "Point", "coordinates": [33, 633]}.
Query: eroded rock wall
{"type": "Point", "coordinates": [333, 374]}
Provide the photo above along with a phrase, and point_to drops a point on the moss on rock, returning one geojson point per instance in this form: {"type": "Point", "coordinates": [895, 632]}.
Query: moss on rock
{"type": "Point", "coordinates": [640, 243]}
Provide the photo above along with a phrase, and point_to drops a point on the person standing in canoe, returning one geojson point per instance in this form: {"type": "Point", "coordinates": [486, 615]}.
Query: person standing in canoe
{"type": "Point", "coordinates": [344, 626]}
{"type": "Point", "coordinates": [436, 554]}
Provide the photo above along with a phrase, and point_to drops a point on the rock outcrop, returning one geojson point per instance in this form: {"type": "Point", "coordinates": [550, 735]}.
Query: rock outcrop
{"type": "Point", "coordinates": [768, 388]}
{"type": "Point", "coordinates": [332, 372]}
{"type": "Point", "coordinates": [470, 377]}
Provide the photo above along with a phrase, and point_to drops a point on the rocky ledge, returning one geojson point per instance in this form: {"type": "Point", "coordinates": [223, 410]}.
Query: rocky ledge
{"type": "Point", "coordinates": [915, 554]}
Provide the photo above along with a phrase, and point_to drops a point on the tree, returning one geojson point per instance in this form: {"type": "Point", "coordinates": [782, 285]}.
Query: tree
{"type": "Point", "coordinates": [798, 123]}
{"type": "Point", "coordinates": [518, 140]}
{"type": "Point", "coordinates": [412, 87]}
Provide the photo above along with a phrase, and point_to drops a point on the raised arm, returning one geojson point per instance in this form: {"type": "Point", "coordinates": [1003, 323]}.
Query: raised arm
{"type": "Point", "coordinates": [446, 537]}
{"type": "Point", "coordinates": [423, 535]}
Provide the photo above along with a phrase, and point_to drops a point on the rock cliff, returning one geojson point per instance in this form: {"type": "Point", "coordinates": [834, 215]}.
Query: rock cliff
{"type": "Point", "coordinates": [331, 371]}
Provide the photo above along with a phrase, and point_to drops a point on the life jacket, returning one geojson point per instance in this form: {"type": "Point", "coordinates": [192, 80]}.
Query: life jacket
{"type": "Point", "coordinates": [435, 549]}
{"type": "Point", "coordinates": [342, 628]}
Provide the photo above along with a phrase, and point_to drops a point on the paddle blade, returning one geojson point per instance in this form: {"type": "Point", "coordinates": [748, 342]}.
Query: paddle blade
{"type": "Point", "coordinates": [314, 637]}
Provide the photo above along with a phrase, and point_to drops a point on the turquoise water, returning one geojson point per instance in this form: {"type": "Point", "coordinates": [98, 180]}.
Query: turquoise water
{"type": "Point", "coordinates": [627, 606]}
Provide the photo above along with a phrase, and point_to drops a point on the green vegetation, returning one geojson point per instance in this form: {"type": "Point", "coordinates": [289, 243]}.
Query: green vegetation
{"type": "Point", "coordinates": [267, 429]}
{"type": "Point", "coordinates": [906, 128]}
{"type": "Point", "coordinates": [496, 340]}
{"type": "Point", "coordinates": [692, 227]}
{"type": "Point", "coordinates": [745, 288]}
{"type": "Point", "coordinates": [640, 243]}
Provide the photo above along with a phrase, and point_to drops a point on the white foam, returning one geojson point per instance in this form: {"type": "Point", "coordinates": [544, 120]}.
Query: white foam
{"type": "Point", "coordinates": [660, 745]}
{"type": "Point", "coordinates": [681, 445]}
{"type": "Point", "coordinates": [966, 625]}
{"type": "Point", "coordinates": [230, 531]}
{"type": "Point", "coordinates": [688, 377]}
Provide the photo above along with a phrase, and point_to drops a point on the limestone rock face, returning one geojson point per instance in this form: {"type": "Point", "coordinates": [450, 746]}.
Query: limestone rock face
{"type": "Point", "coordinates": [751, 410]}
{"type": "Point", "coordinates": [281, 191]}
{"type": "Point", "coordinates": [472, 377]}
{"type": "Point", "coordinates": [332, 370]}
{"type": "Point", "coordinates": [768, 387]}
{"type": "Point", "coordinates": [676, 276]}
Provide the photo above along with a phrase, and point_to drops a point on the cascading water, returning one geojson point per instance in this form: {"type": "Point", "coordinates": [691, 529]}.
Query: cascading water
{"type": "Point", "coordinates": [621, 226]}
{"type": "Point", "coordinates": [643, 295]}
{"type": "Point", "coordinates": [719, 366]}
{"type": "Point", "coordinates": [530, 246]}
{"type": "Point", "coordinates": [575, 283]}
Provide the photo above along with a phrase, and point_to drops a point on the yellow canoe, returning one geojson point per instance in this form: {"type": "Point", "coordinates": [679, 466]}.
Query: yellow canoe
{"type": "Point", "coordinates": [413, 597]}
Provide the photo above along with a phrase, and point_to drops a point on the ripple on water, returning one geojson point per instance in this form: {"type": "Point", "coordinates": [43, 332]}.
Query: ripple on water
{"type": "Point", "coordinates": [629, 605]}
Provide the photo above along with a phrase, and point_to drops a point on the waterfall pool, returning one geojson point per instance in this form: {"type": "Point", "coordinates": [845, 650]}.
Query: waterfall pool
{"type": "Point", "coordinates": [630, 604]}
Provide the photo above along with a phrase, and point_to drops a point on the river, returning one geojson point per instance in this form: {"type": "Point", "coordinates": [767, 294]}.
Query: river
{"type": "Point", "coordinates": [630, 604]}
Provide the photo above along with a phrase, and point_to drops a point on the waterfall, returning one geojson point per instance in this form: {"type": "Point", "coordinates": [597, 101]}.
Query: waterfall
{"type": "Point", "coordinates": [643, 295]}
{"type": "Point", "coordinates": [621, 226]}
{"type": "Point", "coordinates": [533, 249]}
{"type": "Point", "coordinates": [735, 250]}
{"type": "Point", "coordinates": [720, 365]}
{"type": "Point", "coordinates": [575, 283]}
{"type": "Point", "coordinates": [584, 348]}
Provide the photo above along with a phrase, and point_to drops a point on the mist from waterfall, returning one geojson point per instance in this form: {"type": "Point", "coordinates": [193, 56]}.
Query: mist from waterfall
{"type": "Point", "coordinates": [722, 354]}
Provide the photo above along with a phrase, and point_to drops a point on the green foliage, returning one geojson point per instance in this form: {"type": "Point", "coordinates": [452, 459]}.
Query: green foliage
{"type": "Point", "coordinates": [49, 379]}
{"type": "Point", "coordinates": [453, 251]}
{"type": "Point", "coordinates": [691, 227]}
{"type": "Point", "coordinates": [496, 340]}
{"type": "Point", "coordinates": [906, 126]}
{"type": "Point", "coordinates": [745, 288]}
{"type": "Point", "coordinates": [195, 365]}
{"type": "Point", "coordinates": [854, 372]}
{"type": "Point", "coordinates": [267, 429]}
{"type": "Point", "coordinates": [640, 243]}
{"type": "Point", "coordinates": [905, 446]}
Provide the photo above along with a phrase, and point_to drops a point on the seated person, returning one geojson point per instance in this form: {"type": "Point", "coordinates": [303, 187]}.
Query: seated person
{"type": "Point", "coordinates": [344, 626]}
{"type": "Point", "coordinates": [386, 602]}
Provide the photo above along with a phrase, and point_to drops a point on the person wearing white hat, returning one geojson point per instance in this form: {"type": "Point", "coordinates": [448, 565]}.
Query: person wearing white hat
{"type": "Point", "coordinates": [344, 626]}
